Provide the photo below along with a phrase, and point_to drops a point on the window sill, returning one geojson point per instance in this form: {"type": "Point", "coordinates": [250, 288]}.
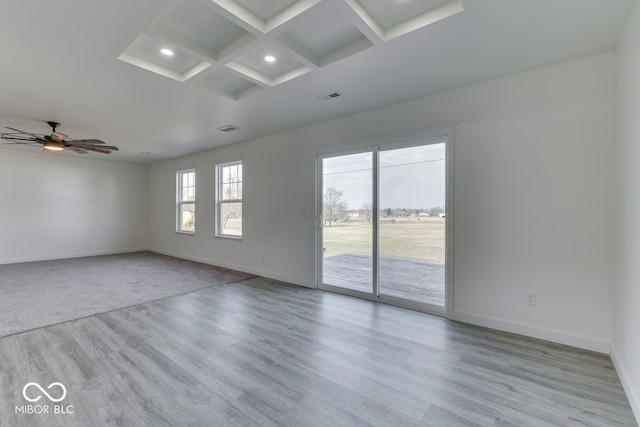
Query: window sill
{"type": "Point", "coordinates": [228, 236]}
{"type": "Point", "coordinates": [188, 233]}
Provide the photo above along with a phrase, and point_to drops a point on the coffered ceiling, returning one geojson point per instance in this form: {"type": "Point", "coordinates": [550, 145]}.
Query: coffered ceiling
{"type": "Point", "coordinates": [97, 67]}
{"type": "Point", "coordinates": [235, 48]}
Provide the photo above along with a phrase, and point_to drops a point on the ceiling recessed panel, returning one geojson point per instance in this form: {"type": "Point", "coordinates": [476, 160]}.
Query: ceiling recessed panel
{"type": "Point", "coordinates": [148, 50]}
{"type": "Point", "coordinates": [389, 13]}
{"type": "Point", "coordinates": [265, 9]}
{"type": "Point", "coordinates": [323, 33]}
{"type": "Point", "coordinates": [201, 24]}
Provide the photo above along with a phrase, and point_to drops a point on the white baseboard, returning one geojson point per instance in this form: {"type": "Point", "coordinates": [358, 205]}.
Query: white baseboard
{"type": "Point", "coordinates": [70, 256]}
{"type": "Point", "coordinates": [633, 395]}
{"type": "Point", "coordinates": [587, 343]}
{"type": "Point", "coordinates": [258, 272]}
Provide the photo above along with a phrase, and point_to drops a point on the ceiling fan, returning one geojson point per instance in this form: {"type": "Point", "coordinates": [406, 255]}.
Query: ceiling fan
{"type": "Point", "coordinates": [57, 141]}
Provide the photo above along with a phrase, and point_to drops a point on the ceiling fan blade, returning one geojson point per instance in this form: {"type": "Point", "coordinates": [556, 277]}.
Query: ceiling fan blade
{"type": "Point", "coordinates": [82, 145]}
{"type": "Point", "coordinates": [30, 143]}
{"type": "Point", "coordinates": [20, 139]}
{"type": "Point", "coordinates": [78, 150]}
{"type": "Point", "coordinates": [35, 135]}
{"type": "Point", "coordinates": [92, 148]}
{"type": "Point", "coordinates": [87, 141]}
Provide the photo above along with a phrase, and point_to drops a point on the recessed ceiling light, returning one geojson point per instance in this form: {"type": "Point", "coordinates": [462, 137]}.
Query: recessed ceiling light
{"type": "Point", "coordinates": [167, 52]}
{"type": "Point", "coordinates": [270, 58]}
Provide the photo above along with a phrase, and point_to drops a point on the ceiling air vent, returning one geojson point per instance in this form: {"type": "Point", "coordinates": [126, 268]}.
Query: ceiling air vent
{"type": "Point", "coordinates": [330, 95]}
{"type": "Point", "coordinates": [228, 128]}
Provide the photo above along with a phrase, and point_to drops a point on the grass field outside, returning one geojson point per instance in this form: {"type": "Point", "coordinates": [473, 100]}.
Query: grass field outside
{"type": "Point", "coordinates": [415, 237]}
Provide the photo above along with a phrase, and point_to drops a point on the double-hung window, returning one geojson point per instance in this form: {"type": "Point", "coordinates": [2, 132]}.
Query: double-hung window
{"type": "Point", "coordinates": [229, 199]}
{"type": "Point", "coordinates": [186, 201]}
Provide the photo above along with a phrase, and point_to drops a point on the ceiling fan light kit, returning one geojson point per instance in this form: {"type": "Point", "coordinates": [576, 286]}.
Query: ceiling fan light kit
{"type": "Point", "coordinates": [53, 146]}
{"type": "Point", "coordinates": [57, 141]}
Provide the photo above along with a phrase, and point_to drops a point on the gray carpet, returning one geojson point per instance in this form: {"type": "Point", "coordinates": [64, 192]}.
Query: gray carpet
{"type": "Point", "coordinates": [37, 294]}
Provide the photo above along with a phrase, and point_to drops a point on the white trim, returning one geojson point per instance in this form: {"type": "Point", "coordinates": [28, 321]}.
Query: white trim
{"type": "Point", "coordinates": [179, 202]}
{"type": "Point", "coordinates": [632, 395]}
{"type": "Point", "coordinates": [70, 256]}
{"type": "Point", "coordinates": [218, 227]}
{"type": "Point", "coordinates": [408, 139]}
{"type": "Point", "coordinates": [375, 223]}
{"type": "Point", "coordinates": [560, 337]}
{"type": "Point", "coordinates": [449, 210]}
{"type": "Point", "coordinates": [227, 236]}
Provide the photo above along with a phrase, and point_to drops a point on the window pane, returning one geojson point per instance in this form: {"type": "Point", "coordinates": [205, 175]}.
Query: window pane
{"type": "Point", "coordinates": [187, 184]}
{"type": "Point", "coordinates": [231, 218]}
{"type": "Point", "coordinates": [229, 202]}
{"type": "Point", "coordinates": [412, 227]}
{"type": "Point", "coordinates": [186, 197]}
{"type": "Point", "coordinates": [228, 191]}
{"type": "Point", "coordinates": [187, 221]}
{"type": "Point", "coordinates": [347, 215]}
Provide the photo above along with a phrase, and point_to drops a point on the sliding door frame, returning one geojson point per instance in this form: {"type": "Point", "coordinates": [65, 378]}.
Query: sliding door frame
{"type": "Point", "coordinates": [446, 136]}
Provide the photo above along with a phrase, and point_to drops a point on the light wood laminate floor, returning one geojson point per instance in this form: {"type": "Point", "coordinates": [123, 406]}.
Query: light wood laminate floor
{"type": "Point", "coordinates": [260, 353]}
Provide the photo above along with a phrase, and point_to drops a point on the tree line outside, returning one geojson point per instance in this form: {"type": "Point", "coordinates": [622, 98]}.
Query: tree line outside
{"type": "Point", "coordinates": [335, 209]}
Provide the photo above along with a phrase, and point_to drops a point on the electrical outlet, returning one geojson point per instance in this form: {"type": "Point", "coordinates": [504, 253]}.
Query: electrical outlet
{"type": "Point", "coordinates": [530, 298]}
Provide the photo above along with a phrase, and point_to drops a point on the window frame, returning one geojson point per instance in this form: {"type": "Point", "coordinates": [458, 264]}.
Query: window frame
{"type": "Point", "coordinates": [220, 201]}
{"type": "Point", "coordinates": [180, 186]}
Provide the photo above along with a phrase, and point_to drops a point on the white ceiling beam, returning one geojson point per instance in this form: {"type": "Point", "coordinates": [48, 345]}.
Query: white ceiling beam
{"type": "Point", "coordinates": [362, 20]}
{"type": "Point", "coordinates": [195, 70]}
{"type": "Point", "coordinates": [250, 74]}
{"type": "Point", "coordinates": [288, 14]}
{"type": "Point", "coordinates": [301, 53]}
{"type": "Point", "coordinates": [238, 47]}
{"type": "Point", "coordinates": [297, 72]}
{"type": "Point", "coordinates": [348, 50]}
{"type": "Point", "coordinates": [239, 15]}
{"type": "Point", "coordinates": [434, 15]}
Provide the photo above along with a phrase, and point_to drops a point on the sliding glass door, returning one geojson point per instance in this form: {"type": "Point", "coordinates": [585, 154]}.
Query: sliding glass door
{"type": "Point", "coordinates": [346, 221]}
{"type": "Point", "coordinates": [411, 230]}
{"type": "Point", "coordinates": [382, 224]}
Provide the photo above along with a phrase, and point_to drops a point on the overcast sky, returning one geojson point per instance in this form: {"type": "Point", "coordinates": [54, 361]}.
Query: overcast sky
{"type": "Point", "coordinates": [410, 178]}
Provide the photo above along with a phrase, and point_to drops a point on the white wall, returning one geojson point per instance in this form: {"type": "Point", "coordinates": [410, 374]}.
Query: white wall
{"type": "Point", "coordinates": [534, 173]}
{"type": "Point", "coordinates": [533, 180]}
{"type": "Point", "coordinates": [49, 202]}
{"type": "Point", "coordinates": [625, 348]}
